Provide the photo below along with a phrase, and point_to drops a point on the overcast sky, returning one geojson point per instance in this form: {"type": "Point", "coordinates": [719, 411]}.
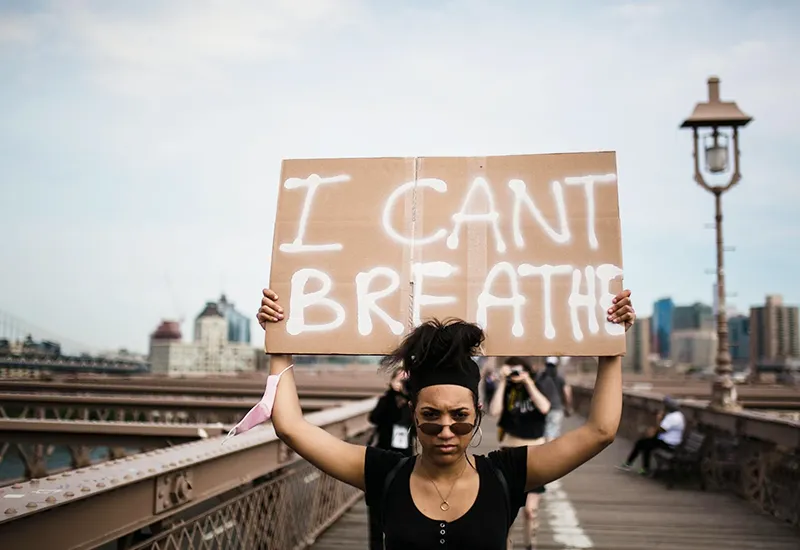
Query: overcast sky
{"type": "Point", "coordinates": [140, 142]}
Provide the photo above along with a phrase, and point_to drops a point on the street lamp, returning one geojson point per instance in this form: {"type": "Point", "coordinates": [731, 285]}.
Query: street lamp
{"type": "Point", "coordinates": [717, 123]}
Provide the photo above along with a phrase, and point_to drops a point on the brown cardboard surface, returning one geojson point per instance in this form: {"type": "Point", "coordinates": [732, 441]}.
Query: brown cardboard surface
{"type": "Point", "coordinates": [350, 212]}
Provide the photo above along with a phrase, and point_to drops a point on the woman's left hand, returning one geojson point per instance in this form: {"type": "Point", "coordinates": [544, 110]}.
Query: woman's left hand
{"type": "Point", "coordinates": [621, 310]}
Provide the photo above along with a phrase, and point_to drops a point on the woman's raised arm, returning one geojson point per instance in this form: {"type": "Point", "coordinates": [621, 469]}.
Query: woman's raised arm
{"type": "Point", "coordinates": [339, 459]}
{"type": "Point", "coordinates": [557, 458]}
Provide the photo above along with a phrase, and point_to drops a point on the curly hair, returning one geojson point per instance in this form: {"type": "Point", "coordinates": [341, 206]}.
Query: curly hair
{"type": "Point", "coordinates": [443, 349]}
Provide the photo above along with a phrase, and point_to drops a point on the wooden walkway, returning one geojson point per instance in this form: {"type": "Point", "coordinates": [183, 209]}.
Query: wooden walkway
{"type": "Point", "coordinates": [599, 507]}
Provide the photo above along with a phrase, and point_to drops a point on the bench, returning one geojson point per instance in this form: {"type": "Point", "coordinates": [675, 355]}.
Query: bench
{"type": "Point", "coordinates": [682, 462]}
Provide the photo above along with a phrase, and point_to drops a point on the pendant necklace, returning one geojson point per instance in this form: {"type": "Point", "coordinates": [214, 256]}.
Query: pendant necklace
{"type": "Point", "coordinates": [445, 506]}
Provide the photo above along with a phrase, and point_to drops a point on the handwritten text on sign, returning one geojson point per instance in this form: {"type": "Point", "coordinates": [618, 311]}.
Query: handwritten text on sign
{"type": "Point", "coordinates": [526, 246]}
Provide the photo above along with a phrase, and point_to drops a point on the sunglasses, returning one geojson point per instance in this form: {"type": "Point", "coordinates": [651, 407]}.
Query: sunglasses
{"type": "Point", "coordinates": [458, 428]}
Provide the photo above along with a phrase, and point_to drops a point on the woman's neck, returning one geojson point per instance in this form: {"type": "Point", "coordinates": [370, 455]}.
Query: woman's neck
{"type": "Point", "coordinates": [443, 471]}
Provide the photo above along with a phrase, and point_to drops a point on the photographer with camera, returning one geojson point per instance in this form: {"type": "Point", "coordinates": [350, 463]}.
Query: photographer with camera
{"type": "Point", "coordinates": [522, 401]}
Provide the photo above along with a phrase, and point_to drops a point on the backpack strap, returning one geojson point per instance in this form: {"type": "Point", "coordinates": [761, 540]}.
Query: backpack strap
{"type": "Point", "coordinates": [387, 483]}
{"type": "Point", "coordinates": [504, 484]}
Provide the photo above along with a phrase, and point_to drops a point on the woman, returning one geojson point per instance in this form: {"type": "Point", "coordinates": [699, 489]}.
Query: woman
{"type": "Point", "coordinates": [523, 401]}
{"type": "Point", "coordinates": [447, 497]}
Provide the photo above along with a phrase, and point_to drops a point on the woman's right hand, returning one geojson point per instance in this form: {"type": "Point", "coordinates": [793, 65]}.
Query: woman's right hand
{"type": "Point", "coordinates": [269, 311]}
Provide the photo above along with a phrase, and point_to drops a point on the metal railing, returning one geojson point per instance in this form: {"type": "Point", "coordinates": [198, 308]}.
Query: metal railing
{"type": "Point", "coordinates": [136, 408]}
{"type": "Point", "coordinates": [251, 493]}
{"type": "Point", "coordinates": [751, 454]}
{"type": "Point", "coordinates": [286, 512]}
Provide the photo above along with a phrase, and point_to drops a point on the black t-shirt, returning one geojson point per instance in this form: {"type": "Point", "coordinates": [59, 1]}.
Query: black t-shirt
{"type": "Point", "coordinates": [520, 417]}
{"type": "Point", "coordinates": [484, 526]}
{"type": "Point", "coordinates": [393, 424]}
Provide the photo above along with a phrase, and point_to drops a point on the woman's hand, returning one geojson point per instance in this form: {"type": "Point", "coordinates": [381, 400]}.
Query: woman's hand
{"type": "Point", "coordinates": [269, 311]}
{"type": "Point", "coordinates": [621, 310]}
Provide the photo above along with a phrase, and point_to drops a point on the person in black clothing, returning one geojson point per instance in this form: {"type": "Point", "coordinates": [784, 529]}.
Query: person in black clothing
{"type": "Point", "coordinates": [523, 401]}
{"type": "Point", "coordinates": [560, 402]}
{"type": "Point", "coordinates": [490, 377]}
{"type": "Point", "coordinates": [393, 432]}
{"type": "Point", "coordinates": [392, 418]}
{"type": "Point", "coordinates": [446, 497]}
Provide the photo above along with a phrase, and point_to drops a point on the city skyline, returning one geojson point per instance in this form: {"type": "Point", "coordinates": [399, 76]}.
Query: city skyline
{"type": "Point", "coordinates": [143, 173]}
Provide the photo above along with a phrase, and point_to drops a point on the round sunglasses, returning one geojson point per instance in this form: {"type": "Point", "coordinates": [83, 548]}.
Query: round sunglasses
{"type": "Point", "coordinates": [458, 428]}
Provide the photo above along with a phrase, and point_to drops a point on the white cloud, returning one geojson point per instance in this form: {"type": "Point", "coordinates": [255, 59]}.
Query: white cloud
{"type": "Point", "coordinates": [640, 11]}
{"type": "Point", "coordinates": [185, 45]}
{"type": "Point", "coordinates": [15, 29]}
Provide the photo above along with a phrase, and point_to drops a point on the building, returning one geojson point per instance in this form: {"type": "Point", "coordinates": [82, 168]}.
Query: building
{"type": "Point", "coordinates": [696, 348]}
{"type": "Point", "coordinates": [238, 323]}
{"type": "Point", "coordinates": [211, 351]}
{"type": "Point", "coordinates": [661, 327]}
{"type": "Point", "coordinates": [739, 339]}
{"type": "Point", "coordinates": [774, 331]}
{"type": "Point", "coordinates": [637, 355]}
{"type": "Point", "coordinates": [694, 317]}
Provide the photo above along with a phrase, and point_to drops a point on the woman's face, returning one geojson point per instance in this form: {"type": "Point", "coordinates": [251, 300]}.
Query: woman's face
{"type": "Point", "coordinates": [445, 405]}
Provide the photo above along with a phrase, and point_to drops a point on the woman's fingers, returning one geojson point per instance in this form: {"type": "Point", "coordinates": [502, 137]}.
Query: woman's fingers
{"type": "Point", "coordinates": [269, 313]}
{"type": "Point", "coordinates": [268, 293]}
{"type": "Point", "coordinates": [269, 310]}
{"type": "Point", "coordinates": [621, 306]}
{"type": "Point", "coordinates": [625, 313]}
{"type": "Point", "coordinates": [622, 295]}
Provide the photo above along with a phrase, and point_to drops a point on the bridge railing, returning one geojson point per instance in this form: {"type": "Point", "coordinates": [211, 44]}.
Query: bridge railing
{"type": "Point", "coordinates": [250, 493]}
{"type": "Point", "coordinates": [288, 511]}
{"type": "Point", "coordinates": [752, 454]}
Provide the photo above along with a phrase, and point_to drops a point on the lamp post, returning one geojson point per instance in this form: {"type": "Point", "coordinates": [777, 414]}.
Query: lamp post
{"type": "Point", "coordinates": [717, 124]}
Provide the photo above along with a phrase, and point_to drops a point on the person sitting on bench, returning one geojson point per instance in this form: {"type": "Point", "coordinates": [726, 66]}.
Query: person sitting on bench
{"type": "Point", "coordinates": [668, 436]}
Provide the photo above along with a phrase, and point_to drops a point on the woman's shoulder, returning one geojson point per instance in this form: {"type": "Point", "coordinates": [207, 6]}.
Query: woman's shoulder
{"type": "Point", "coordinates": [506, 456]}
{"type": "Point", "coordinates": [512, 462]}
{"type": "Point", "coordinates": [378, 464]}
{"type": "Point", "coordinates": [385, 457]}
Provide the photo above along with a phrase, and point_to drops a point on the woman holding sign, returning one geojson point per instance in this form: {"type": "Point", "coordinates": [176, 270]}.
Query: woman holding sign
{"type": "Point", "coordinates": [447, 497]}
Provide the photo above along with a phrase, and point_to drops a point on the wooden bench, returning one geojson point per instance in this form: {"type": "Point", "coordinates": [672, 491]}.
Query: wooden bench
{"type": "Point", "coordinates": [684, 461]}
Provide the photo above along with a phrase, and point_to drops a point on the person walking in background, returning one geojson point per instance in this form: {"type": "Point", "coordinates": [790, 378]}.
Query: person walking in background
{"type": "Point", "coordinates": [522, 401]}
{"type": "Point", "coordinates": [489, 376]}
{"type": "Point", "coordinates": [560, 404]}
{"type": "Point", "coordinates": [394, 431]}
{"type": "Point", "coordinates": [668, 436]}
{"type": "Point", "coordinates": [392, 418]}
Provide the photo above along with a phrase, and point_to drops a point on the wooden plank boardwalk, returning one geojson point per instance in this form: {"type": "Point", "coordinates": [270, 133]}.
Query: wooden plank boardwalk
{"type": "Point", "coordinates": [599, 507]}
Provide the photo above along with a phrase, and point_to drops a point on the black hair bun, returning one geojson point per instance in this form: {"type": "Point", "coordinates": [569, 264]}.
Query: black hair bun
{"type": "Point", "coordinates": [436, 344]}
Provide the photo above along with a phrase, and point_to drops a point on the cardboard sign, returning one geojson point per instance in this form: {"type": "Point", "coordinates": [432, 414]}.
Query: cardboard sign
{"type": "Point", "coordinates": [526, 246]}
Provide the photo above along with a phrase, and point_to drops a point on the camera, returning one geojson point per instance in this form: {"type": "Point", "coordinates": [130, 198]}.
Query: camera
{"type": "Point", "coordinates": [516, 371]}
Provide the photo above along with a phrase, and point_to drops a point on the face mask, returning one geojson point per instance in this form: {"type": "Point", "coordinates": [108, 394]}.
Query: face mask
{"type": "Point", "coordinates": [262, 411]}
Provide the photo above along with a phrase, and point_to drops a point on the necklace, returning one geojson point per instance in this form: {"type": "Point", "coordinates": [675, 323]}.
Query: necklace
{"type": "Point", "coordinates": [445, 506]}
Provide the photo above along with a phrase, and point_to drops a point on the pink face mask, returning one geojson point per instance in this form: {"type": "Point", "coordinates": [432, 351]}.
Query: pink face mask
{"type": "Point", "coordinates": [262, 411]}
